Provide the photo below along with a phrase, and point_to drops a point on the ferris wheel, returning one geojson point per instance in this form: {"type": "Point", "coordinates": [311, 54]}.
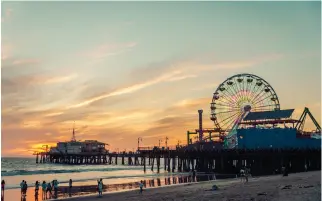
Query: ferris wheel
{"type": "Point", "coordinates": [237, 96]}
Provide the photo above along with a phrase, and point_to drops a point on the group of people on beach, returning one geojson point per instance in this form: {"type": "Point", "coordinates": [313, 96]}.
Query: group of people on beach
{"type": "Point", "coordinates": [46, 189]}
{"type": "Point", "coordinates": [53, 185]}
{"type": "Point", "coordinates": [24, 188]}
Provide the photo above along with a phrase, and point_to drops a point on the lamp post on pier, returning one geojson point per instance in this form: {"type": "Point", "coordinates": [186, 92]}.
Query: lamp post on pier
{"type": "Point", "coordinates": [139, 139]}
{"type": "Point", "coordinates": [160, 143]}
{"type": "Point", "coordinates": [166, 142]}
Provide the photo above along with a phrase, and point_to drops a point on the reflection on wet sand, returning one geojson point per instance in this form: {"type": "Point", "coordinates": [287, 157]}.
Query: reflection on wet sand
{"type": "Point", "coordinates": [148, 183]}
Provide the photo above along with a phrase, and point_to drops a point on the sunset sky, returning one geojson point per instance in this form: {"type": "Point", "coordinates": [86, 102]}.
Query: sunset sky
{"type": "Point", "coordinates": [125, 70]}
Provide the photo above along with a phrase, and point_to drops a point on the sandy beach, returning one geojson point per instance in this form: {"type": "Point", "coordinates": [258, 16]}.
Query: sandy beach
{"type": "Point", "coordinates": [295, 187]}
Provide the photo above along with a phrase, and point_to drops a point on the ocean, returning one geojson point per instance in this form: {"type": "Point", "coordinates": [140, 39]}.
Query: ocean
{"type": "Point", "coordinates": [14, 170]}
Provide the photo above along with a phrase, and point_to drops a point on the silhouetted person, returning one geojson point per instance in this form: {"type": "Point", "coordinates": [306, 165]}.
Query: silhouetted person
{"type": "Point", "coordinates": [21, 186]}
{"type": "Point", "coordinates": [70, 187]}
{"type": "Point", "coordinates": [36, 190]}
{"type": "Point", "coordinates": [36, 195]}
{"type": "Point", "coordinates": [100, 187]}
{"type": "Point", "coordinates": [48, 190]}
{"type": "Point", "coordinates": [25, 188]}
{"type": "Point", "coordinates": [3, 183]}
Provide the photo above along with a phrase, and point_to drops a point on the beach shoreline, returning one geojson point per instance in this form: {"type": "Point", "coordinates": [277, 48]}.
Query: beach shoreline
{"type": "Point", "coordinates": [296, 187]}
{"type": "Point", "coordinates": [231, 188]}
{"type": "Point", "coordinates": [90, 187]}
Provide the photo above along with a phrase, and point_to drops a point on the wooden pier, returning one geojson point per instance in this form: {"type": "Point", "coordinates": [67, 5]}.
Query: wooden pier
{"type": "Point", "coordinates": [180, 159]}
{"type": "Point", "coordinates": [230, 161]}
{"type": "Point", "coordinates": [127, 158]}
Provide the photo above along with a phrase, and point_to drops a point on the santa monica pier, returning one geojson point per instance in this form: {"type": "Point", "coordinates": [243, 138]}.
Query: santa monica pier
{"type": "Point", "coordinates": [250, 129]}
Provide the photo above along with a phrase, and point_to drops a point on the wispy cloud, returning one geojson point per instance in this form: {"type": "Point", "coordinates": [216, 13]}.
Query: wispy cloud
{"type": "Point", "coordinates": [24, 81]}
{"type": "Point", "coordinates": [181, 77]}
{"type": "Point", "coordinates": [59, 79]}
{"type": "Point", "coordinates": [175, 71]}
{"type": "Point", "coordinates": [104, 51]}
{"type": "Point", "coordinates": [25, 61]}
{"type": "Point", "coordinates": [190, 67]}
{"type": "Point", "coordinates": [129, 89]}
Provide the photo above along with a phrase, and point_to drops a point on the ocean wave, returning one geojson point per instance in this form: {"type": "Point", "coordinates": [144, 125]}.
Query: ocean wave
{"type": "Point", "coordinates": [61, 171]}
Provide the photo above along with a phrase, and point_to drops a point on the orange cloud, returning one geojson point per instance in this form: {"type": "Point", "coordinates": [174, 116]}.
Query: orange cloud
{"type": "Point", "coordinates": [20, 82]}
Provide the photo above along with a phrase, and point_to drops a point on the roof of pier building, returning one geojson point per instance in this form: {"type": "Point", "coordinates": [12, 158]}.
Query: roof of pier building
{"type": "Point", "coordinates": [265, 115]}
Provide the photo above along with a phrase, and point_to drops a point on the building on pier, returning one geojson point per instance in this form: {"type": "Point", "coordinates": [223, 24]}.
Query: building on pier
{"type": "Point", "coordinates": [79, 147]}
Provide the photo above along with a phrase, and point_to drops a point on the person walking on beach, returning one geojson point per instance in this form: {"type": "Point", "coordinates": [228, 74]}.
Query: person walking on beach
{"type": "Point", "coordinates": [3, 183]}
{"type": "Point", "coordinates": [44, 187]}
{"type": "Point", "coordinates": [141, 186]}
{"type": "Point", "coordinates": [25, 188]}
{"type": "Point", "coordinates": [70, 187]}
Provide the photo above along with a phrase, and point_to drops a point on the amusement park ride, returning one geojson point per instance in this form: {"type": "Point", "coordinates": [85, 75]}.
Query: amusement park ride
{"type": "Point", "coordinates": [246, 101]}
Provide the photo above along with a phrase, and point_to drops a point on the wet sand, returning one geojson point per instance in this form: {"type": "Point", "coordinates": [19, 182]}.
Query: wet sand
{"type": "Point", "coordinates": [295, 187]}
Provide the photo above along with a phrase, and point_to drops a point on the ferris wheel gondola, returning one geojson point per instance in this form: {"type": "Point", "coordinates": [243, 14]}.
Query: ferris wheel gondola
{"type": "Point", "coordinates": [238, 95]}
